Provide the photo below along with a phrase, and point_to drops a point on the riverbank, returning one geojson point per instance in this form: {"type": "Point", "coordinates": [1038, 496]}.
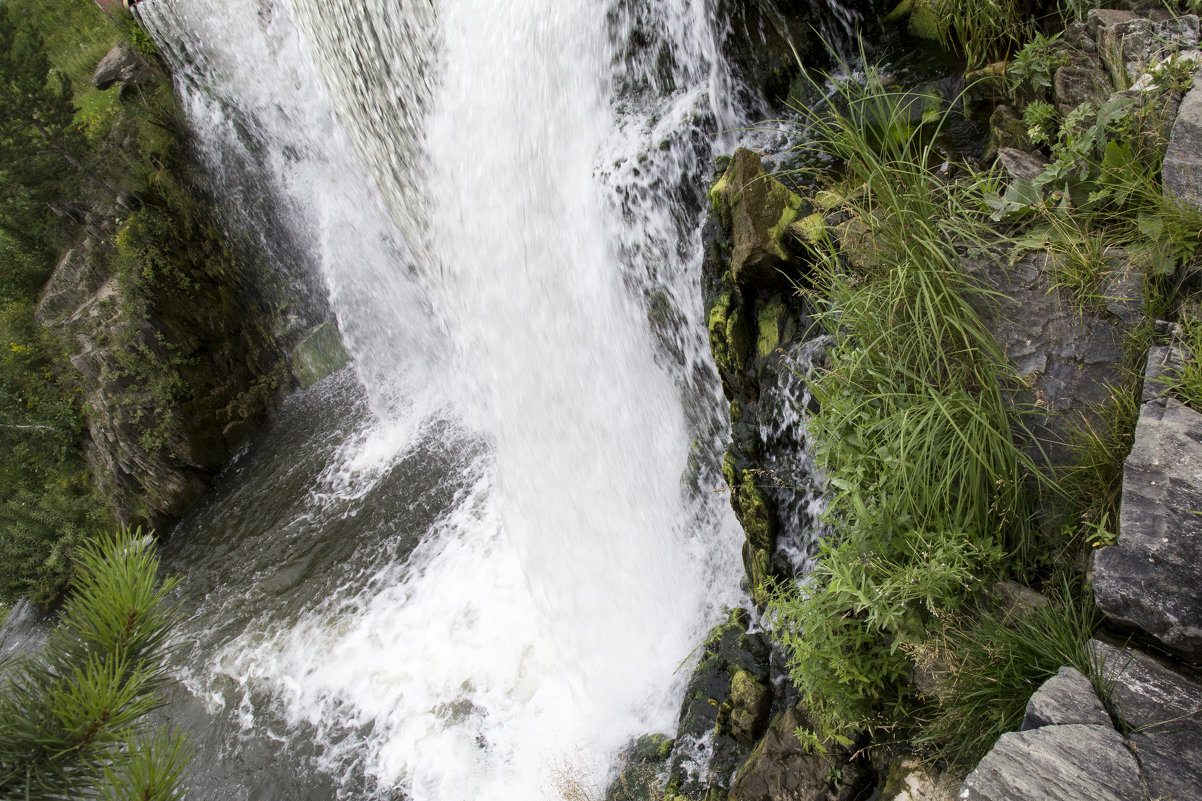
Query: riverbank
{"type": "Point", "coordinates": [991, 323]}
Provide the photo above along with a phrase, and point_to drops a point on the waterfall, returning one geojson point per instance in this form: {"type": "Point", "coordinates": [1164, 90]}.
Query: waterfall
{"type": "Point", "coordinates": [490, 565]}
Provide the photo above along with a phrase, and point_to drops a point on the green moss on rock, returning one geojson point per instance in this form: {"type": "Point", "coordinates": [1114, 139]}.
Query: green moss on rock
{"type": "Point", "coordinates": [757, 210]}
{"type": "Point", "coordinates": [318, 355]}
{"type": "Point", "coordinates": [753, 511]}
{"type": "Point", "coordinates": [772, 323]}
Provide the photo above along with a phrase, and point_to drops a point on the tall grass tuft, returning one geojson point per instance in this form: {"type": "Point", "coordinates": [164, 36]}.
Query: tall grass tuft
{"type": "Point", "coordinates": [987, 667]}
{"type": "Point", "coordinates": [926, 479]}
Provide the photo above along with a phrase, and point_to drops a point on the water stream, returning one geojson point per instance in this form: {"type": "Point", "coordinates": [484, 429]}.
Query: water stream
{"type": "Point", "coordinates": [479, 557]}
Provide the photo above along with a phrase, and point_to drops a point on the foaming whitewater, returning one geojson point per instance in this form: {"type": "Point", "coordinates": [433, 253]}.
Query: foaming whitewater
{"type": "Point", "coordinates": [503, 199]}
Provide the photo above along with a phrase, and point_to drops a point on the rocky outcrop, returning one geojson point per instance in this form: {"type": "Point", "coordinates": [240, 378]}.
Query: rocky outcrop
{"type": "Point", "coordinates": [1130, 42]}
{"type": "Point", "coordinates": [1181, 173]}
{"type": "Point", "coordinates": [1056, 763]}
{"type": "Point", "coordinates": [177, 348]}
{"type": "Point", "coordinates": [1069, 749]}
{"type": "Point", "coordinates": [725, 710]}
{"type": "Point", "coordinates": [757, 210]}
{"type": "Point", "coordinates": [753, 319]}
{"type": "Point", "coordinates": [319, 354]}
{"type": "Point", "coordinates": [123, 65]}
{"type": "Point", "coordinates": [1066, 356]}
{"type": "Point", "coordinates": [1066, 698]}
{"type": "Point", "coordinates": [780, 769]}
{"type": "Point", "coordinates": [1149, 580]}
{"type": "Point", "coordinates": [1161, 710]}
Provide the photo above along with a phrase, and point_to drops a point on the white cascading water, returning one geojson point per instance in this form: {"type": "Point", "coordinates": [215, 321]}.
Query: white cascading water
{"type": "Point", "coordinates": [482, 186]}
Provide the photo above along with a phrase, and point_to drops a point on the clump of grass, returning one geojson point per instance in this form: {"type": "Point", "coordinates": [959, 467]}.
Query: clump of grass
{"type": "Point", "coordinates": [984, 30]}
{"type": "Point", "coordinates": [1187, 387]}
{"type": "Point", "coordinates": [927, 481]}
{"type": "Point", "coordinates": [1100, 439]}
{"type": "Point", "coordinates": [988, 666]}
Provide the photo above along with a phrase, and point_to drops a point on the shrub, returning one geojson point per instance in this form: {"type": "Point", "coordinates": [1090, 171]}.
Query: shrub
{"type": "Point", "coordinates": [73, 718]}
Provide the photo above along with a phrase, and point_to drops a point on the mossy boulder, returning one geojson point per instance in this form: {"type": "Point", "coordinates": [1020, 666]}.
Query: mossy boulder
{"type": "Point", "coordinates": [1006, 130]}
{"type": "Point", "coordinates": [774, 326]}
{"type": "Point", "coordinates": [711, 711]}
{"type": "Point", "coordinates": [780, 767]}
{"type": "Point", "coordinates": [757, 210]}
{"type": "Point", "coordinates": [731, 341]}
{"type": "Point", "coordinates": [318, 355]}
{"type": "Point", "coordinates": [641, 769]}
{"type": "Point", "coordinates": [750, 702]}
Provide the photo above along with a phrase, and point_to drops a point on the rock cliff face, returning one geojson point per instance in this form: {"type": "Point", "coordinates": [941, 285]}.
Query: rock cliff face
{"type": "Point", "coordinates": [177, 349]}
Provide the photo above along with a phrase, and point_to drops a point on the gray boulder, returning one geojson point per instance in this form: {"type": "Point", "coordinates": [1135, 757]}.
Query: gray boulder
{"type": "Point", "coordinates": [1066, 357]}
{"type": "Point", "coordinates": [1074, 85]}
{"type": "Point", "coordinates": [1066, 698]}
{"type": "Point", "coordinates": [1056, 763]}
{"type": "Point", "coordinates": [1149, 580]}
{"type": "Point", "coordinates": [1129, 43]}
{"type": "Point", "coordinates": [1162, 367]}
{"type": "Point", "coordinates": [1163, 711]}
{"type": "Point", "coordinates": [121, 65]}
{"type": "Point", "coordinates": [1020, 165]}
{"type": "Point", "coordinates": [1182, 170]}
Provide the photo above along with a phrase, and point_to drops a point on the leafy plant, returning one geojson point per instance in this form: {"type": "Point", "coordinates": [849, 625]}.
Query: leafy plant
{"type": "Point", "coordinates": [73, 718]}
{"type": "Point", "coordinates": [1036, 63]}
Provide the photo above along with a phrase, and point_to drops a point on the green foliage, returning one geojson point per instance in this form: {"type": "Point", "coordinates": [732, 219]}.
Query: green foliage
{"type": "Point", "coordinates": [987, 666]}
{"type": "Point", "coordinates": [1042, 121]}
{"type": "Point", "coordinates": [926, 480]}
{"type": "Point", "coordinates": [1036, 63]}
{"type": "Point", "coordinates": [1187, 387]}
{"type": "Point", "coordinates": [983, 30]}
{"type": "Point", "coordinates": [73, 718]}
{"type": "Point", "coordinates": [39, 144]}
{"type": "Point", "coordinates": [49, 504]}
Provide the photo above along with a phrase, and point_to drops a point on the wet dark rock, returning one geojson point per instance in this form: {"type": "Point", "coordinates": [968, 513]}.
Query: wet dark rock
{"type": "Point", "coordinates": [640, 769]}
{"type": "Point", "coordinates": [319, 354]}
{"type": "Point", "coordinates": [763, 41]}
{"type": "Point", "coordinates": [1182, 170]}
{"type": "Point", "coordinates": [1056, 763]}
{"type": "Point", "coordinates": [780, 769]}
{"type": "Point", "coordinates": [1162, 711]}
{"type": "Point", "coordinates": [723, 711]}
{"type": "Point", "coordinates": [1149, 580]}
{"type": "Point", "coordinates": [1068, 697]}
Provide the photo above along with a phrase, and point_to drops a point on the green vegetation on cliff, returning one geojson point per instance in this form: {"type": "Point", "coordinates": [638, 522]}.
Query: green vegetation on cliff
{"type": "Point", "coordinates": [946, 468]}
{"type": "Point", "coordinates": [49, 505]}
{"type": "Point", "coordinates": [136, 356]}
